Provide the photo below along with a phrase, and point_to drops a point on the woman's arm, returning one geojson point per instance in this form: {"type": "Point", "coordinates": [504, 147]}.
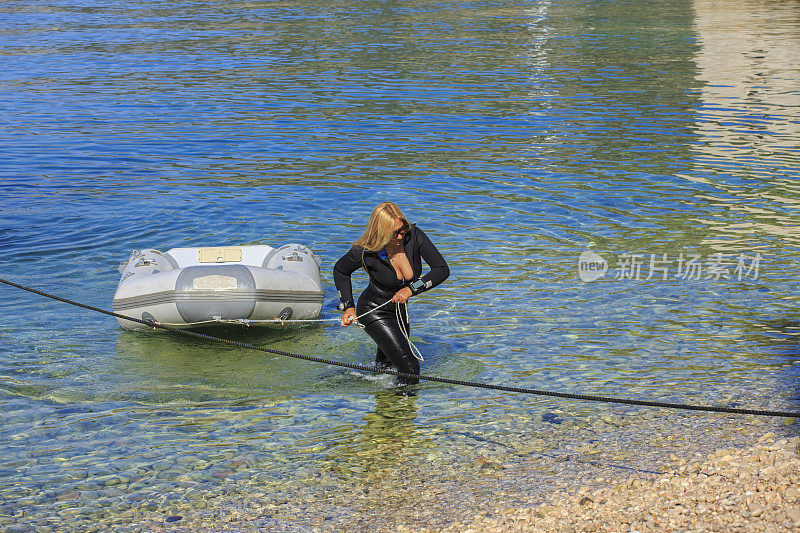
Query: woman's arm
{"type": "Point", "coordinates": [439, 269]}
{"type": "Point", "coordinates": [344, 267]}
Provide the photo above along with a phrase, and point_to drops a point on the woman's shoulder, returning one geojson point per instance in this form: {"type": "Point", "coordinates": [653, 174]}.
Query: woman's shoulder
{"type": "Point", "coordinates": [358, 249]}
{"type": "Point", "coordinates": [416, 233]}
{"type": "Point", "coordinates": [357, 252]}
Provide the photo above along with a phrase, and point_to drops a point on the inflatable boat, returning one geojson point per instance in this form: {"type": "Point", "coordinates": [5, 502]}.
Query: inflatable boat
{"type": "Point", "coordinates": [194, 287]}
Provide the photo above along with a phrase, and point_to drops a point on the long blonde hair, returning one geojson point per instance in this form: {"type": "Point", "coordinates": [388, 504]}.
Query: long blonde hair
{"type": "Point", "coordinates": [380, 226]}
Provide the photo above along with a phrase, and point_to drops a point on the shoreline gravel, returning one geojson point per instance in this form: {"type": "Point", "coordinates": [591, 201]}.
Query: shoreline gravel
{"type": "Point", "coordinates": [738, 489]}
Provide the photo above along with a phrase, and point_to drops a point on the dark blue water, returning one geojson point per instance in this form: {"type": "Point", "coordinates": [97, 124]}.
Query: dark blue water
{"type": "Point", "coordinates": [516, 134]}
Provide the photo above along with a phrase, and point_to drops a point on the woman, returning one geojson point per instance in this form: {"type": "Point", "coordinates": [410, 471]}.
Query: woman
{"type": "Point", "coordinates": [391, 250]}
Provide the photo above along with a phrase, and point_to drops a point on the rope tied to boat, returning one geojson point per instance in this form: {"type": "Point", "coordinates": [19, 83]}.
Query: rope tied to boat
{"type": "Point", "coordinates": [281, 321]}
{"type": "Point", "coordinates": [422, 377]}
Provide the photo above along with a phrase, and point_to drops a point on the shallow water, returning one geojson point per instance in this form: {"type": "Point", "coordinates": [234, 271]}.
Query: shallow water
{"type": "Point", "coordinates": [516, 134]}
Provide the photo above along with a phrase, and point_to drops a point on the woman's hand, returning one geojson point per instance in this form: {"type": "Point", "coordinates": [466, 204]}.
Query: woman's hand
{"type": "Point", "coordinates": [349, 313]}
{"type": "Point", "coordinates": [402, 295]}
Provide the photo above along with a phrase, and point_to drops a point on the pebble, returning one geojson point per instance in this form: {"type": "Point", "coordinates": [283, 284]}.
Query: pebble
{"type": "Point", "coordinates": [161, 466]}
{"type": "Point", "coordinates": [200, 465]}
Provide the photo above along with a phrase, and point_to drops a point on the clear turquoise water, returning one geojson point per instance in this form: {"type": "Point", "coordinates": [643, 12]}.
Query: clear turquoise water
{"type": "Point", "coordinates": [517, 134]}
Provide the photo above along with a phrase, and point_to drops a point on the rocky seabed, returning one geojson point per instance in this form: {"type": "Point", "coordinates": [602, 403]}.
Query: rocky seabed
{"type": "Point", "coordinates": [752, 489]}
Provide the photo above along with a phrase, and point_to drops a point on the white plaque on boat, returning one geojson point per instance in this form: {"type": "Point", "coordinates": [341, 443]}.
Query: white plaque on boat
{"type": "Point", "coordinates": [213, 283]}
{"type": "Point", "coordinates": [219, 255]}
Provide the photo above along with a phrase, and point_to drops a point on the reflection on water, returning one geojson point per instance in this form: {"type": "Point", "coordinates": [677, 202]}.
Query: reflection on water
{"type": "Point", "coordinates": [516, 134]}
{"type": "Point", "coordinates": [387, 439]}
{"type": "Point", "coordinates": [176, 368]}
{"type": "Point", "coordinates": [747, 61]}
{"type": "Point", "coordinates": [747, 122]}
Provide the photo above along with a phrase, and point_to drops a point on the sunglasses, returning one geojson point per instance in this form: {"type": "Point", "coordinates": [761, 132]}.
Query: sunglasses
{"type": "Point", "coordinates": [402, 230]}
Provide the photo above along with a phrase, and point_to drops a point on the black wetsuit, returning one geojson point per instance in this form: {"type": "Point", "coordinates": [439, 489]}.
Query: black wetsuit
{"type": "Point", "coordinates": [382, 325]}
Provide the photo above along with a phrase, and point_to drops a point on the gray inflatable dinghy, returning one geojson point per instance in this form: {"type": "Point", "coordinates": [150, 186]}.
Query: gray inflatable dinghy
{"type": "Point", "coordinates": [193, 287]}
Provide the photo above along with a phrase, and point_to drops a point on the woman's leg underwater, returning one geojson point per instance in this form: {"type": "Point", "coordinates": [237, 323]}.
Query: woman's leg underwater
{"type": "Point", "coordinates": [381, 360]}
{"type": "Point", "coordinates": [390, 340]}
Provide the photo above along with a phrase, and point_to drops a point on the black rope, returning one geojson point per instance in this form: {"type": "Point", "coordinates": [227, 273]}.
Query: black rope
{"type": "Point", "coordinates": [374, 370]}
